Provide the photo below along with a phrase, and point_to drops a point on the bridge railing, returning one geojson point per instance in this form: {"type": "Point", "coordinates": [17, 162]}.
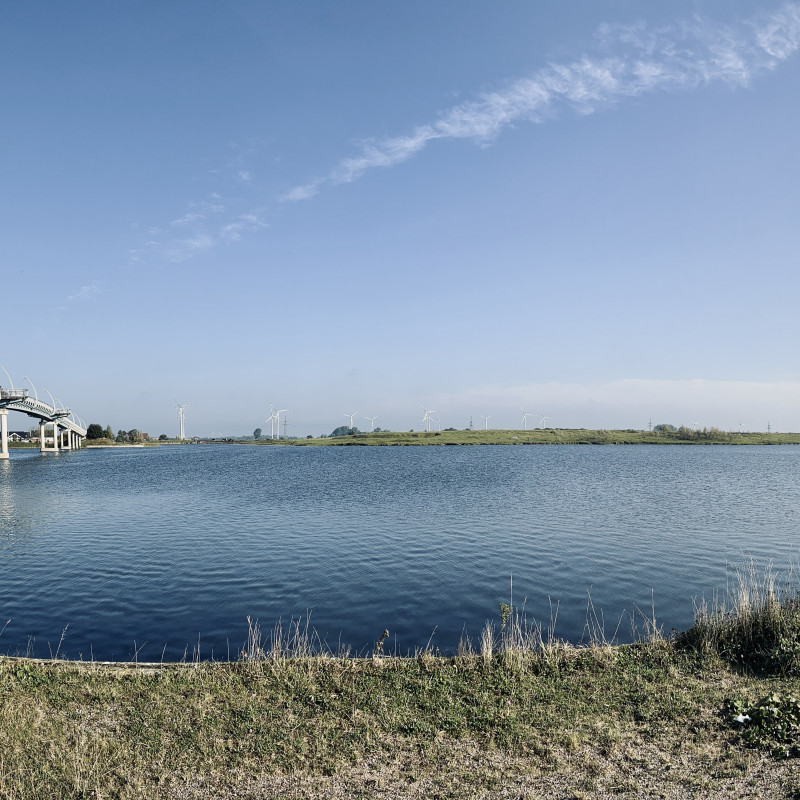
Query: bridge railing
{"type": "Point", "coordinates": [12, 395]}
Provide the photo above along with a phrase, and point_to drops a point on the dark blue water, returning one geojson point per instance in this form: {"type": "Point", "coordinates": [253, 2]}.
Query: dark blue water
{"type": "Point", "coordinates": [168, 550]}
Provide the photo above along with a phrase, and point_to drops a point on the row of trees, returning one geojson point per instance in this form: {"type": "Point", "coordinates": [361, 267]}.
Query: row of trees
{"type": "Point", "coordinates": [690, 435]}
{"type": "Point", "coordinates": [342, 430]}
{"type": "Point", "coordinates": [133, 436]}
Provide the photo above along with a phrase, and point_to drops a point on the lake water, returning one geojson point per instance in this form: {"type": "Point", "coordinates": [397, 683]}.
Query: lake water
{"type": "Point", "coordinates": [166, 550]}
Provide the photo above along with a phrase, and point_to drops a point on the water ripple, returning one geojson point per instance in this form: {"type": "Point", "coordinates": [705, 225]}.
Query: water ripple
{"type": "Point", "coordinates": [165, 545]}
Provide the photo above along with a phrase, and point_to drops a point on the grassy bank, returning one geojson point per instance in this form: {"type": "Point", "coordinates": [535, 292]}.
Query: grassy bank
{"type": "Point", "coordinates": [515, 717]}
{"type": "Point", "coordinates": [712, 436]}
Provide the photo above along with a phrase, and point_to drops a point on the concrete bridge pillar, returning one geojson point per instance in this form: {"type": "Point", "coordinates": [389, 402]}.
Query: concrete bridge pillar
{"type": "Point", "coordinates": [43, 434]}
{"type": "Point", "coordinates": [3, 433]}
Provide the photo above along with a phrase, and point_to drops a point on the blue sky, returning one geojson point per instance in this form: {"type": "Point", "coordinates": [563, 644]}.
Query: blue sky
{"type": "Point", "coordinates": [586, 209]}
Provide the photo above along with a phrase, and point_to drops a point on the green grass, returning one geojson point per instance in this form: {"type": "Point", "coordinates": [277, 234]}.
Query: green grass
{"type": "Point", "coordinates": [523, 716]}
{"type": "Point", "coordinates": [712, 436]}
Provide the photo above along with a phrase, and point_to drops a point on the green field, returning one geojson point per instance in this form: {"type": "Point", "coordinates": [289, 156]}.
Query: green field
{"type": "Point", "coordinates": [544, 436]}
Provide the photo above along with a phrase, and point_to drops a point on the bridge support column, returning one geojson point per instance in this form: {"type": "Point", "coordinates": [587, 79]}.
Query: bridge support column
{"type": "Point", "coordinates": [66, 444]}
{"type": "Point", "coordinates": [3, 434]}
{"type": "Point", "coordinates": [43, 440]}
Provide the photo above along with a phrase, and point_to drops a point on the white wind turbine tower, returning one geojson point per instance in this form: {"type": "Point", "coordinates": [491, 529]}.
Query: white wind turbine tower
{"type": "Point", "coordinates": [426, 419]}
{"type": "Point", "coordinates": [525, 415]}
{"type": "Point", "coordinates": [372, 421]}
{"type": "Point", "coordinates": [182, 417]}
{"type": "Point", "coordinates": [486, 421]}
{"type": "Point", "coordinates": [271, 419]}
{"type": "Point", "coordinates": [278, 412]}
{"type": "Point", "coordinates": [544, 420]}
{"type": "Point", "coordinates": [350, 416]}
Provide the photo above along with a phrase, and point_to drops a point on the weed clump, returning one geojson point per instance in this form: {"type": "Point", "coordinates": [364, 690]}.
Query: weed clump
{"type": "Point", "coordinates": [755, 628]}
{"type": "Point", "coordinates": [773, 723]}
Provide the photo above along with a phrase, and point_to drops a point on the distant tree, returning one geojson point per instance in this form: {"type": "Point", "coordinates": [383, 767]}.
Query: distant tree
{"type": "Point", "coordinates": [343, 430]}
{"type": "Point", "coordinates": [257, 433]}
{"type": "Point", "coordinates": [94, 431]}
{"type": "Point", "coordinates": [163, 437]}
{"type": "Point", "coordinates": [665, 427]}
{"type": "Point", "coordinates": [121, 437]}
{"type": "Point", "coordinates": [108, 433]}
{"type": "Point", "coordinates": [135, 435]}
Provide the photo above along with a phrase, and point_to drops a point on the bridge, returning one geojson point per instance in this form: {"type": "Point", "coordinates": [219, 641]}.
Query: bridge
{"type": "Point", "coordinates": [68, 431]}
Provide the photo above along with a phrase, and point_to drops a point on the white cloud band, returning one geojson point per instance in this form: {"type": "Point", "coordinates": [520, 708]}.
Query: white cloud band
{"type": "Point", "coordinates": [680, 57]}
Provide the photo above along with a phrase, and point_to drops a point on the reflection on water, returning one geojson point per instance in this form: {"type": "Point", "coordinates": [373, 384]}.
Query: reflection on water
{"type": "Point", "coordinates": [177, 545]}
{"type": "Point", "coordinates": [16, 519]}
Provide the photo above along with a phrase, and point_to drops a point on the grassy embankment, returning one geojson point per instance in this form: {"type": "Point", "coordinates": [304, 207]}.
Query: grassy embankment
{"type": "Point", "coordinates": [711, 436]}
{"type": "Point", "coordinates": [517, 716]}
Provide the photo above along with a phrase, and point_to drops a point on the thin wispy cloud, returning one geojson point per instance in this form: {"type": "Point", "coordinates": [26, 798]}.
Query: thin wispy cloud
{"type": "Point", "coordinates": [205, 225]}
{"type": "Point", "coordinates": [86, 292]}
{"type": "Point", "coordinates": [629, 61]}
{"type": "Point", "coordinates": [205, 236]}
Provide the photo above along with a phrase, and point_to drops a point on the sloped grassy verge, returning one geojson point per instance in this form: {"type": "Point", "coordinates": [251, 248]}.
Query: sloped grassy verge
{"type": "Point", "coordinates": [518, 718]}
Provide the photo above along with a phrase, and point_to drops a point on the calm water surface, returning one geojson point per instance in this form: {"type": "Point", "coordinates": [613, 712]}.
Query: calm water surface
{"type": "Point", "coordinates": [164, 550]}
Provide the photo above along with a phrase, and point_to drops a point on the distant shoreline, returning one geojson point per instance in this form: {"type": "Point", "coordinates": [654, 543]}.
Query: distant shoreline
{"type": "Point", "coordinates": [538, 436]}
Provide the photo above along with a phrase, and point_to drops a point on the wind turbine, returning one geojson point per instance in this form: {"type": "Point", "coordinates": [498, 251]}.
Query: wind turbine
{"type": "Point", "coordinates": [182, 417]}
{"type": "Point", "coordinates": [544, 419]}
{"type": "Point", "coordinates": [486, 421]}
{"type": "Point", "coordinates": [271, 419]}
{"type": "Point", "coordinates": [278, 412]}
{"type": "Point", "coordinates": [525, 416]}
{"type": "Point", "coordinates": [372, 421]}
{"type": "Point", "coordinates": [345, 414]}
{"type": "Point", "coordinates": [426, 419]}
{"type": "Point", "coordinates": [35, 393]}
